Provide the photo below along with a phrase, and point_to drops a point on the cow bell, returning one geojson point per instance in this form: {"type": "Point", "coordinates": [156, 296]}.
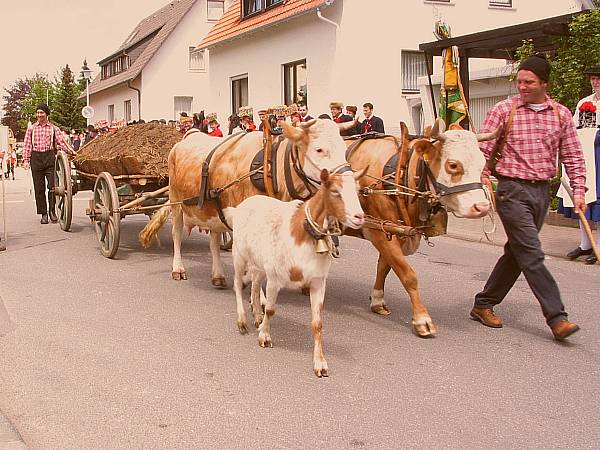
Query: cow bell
{"type": "Point", "coordinates": [323, 245]}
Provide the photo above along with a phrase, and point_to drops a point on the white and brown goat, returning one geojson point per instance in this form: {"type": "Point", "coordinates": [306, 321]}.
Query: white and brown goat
{"type": "Point", "coordinates": [278, 242]}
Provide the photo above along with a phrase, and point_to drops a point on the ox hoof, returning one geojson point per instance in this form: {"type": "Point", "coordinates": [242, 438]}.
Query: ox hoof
{"type": "Point", "coordinates": [306, 290]}
{"type": "Point", "coordinates": [265, 341]}
{"type": "Point", "coordinates": [257, 321]}
{"type": "Point", "coordinates": [179, 276]}
{"type": "Point", "coordinates": [381, 309]}
{"type": "Point", "coordinates": [425, 328]}
{"type": "Point", "coordinates": [219, 282]}
{"type": "Point", "coordinates": [242, 327]}
{"type": "Point", "coordinates": [322, 371]}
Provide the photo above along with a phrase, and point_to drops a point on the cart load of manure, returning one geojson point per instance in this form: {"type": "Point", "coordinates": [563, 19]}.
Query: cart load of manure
{"type": "Point", "coordinates": [140, 149]}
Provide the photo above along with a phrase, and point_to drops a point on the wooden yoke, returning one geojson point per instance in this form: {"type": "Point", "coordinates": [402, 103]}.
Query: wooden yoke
{"type": "Point", "coordinates": [268, 156]}
{"type": "Point", "coordinates": [401, 199]}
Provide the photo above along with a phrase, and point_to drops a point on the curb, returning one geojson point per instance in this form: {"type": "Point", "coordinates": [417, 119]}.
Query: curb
{"type": "Point", "coordinates": [496, 244]}
{"type": "Point", "coordinates": [10, 439]}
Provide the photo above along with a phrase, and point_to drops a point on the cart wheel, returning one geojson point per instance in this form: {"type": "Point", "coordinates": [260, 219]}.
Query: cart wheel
{"type": "Point", "coordinates": [107, 221]}
{"type": "Point", "coordinates": [63, 191]}
{"type": "Point", "coordinates": [227, 241]}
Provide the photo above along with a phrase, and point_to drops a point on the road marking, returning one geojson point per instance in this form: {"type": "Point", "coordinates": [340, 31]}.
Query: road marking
{"type": "Point", "coordinates": [15, 201]}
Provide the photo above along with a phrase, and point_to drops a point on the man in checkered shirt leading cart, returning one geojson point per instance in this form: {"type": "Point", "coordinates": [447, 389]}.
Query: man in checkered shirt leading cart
{"type": "Point", "coordinates": [539, 130]}
{"type": "Point", "coordinates": [41, 141]}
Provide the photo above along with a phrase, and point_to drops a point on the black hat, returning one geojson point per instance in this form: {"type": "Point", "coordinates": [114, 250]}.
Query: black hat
{"type": "Point", "coordinates": [537, 64]}
{"type": "Point", "coordinates": [44, 108]}
{"type": "Point", "coordinates": [593, 71]}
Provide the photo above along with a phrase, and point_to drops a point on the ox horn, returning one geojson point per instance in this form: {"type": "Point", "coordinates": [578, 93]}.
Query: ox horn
{"type": "Point", "coordinates": [345, 126]}
{"type": "Point", "coordinates": [437, 131]}
{"type": "Point", "coordinates": [308, 124]}
{"type": "Point", "coordinates": [489, 136]}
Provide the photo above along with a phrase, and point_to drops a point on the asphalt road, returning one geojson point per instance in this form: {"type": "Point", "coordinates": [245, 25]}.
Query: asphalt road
{"type": "Point", "coordinates": [113, 354]}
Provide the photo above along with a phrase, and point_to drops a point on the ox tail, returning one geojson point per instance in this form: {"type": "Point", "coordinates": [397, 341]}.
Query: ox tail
{"type": "Point", "coordinates": [156, 223]}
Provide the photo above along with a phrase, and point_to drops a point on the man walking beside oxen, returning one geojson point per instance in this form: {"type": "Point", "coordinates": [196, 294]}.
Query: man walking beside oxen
{"type": "Point", "coordinates": [536, 129]}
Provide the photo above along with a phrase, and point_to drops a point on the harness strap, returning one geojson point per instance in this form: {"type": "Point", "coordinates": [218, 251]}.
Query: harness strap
{"type": "Point", "coordinates": [287, 169]}
{"type": "Point", "coordinates": [276, 145]}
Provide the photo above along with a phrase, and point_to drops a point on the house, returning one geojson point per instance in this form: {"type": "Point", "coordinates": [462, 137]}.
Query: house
{"type": "Point", "coordinates": [269, 52]}
{"type": "Point", "coordinates": [157, 72]}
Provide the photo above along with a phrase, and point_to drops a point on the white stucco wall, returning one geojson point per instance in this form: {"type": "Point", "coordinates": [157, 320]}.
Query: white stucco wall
{"type": "Point", "coordinates": [167, 74]}
{"type": "Point", "coordinates": [361, 61]}
{"type": "Point", "coordinates": [115, 96]}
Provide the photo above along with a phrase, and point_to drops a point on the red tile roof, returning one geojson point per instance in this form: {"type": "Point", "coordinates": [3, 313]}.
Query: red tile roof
{"type": "Point", "coordinates": [230, 26]}
{"type": "Point", "coordinates": [161, 22]}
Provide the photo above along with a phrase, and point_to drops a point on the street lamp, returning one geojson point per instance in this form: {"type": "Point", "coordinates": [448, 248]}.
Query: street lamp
{"type": "Point", "coordinates": [86, 73]}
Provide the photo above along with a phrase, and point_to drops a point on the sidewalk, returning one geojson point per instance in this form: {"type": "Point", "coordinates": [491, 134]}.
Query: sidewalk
{"type": "Point", "coordinates": [557, 241]}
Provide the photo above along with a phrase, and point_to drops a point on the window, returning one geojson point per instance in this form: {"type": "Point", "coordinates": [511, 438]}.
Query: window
{"type": "Point", "coordinates": [413, 67]}
{"type": "Point", "coordinates": [506, 3]}
{"type": "Point", "coordinates": [111, 114]}
{"type": "Point", "coordinates": [182, 104]}
{"type": "Point", "coordinates": [250, 7]}
{"type": "Point", "coordinates": [215, 9]}
{"type": "Point", "coordinates": [239, 93]}
{"type": "Point", "coordinates": [294, 83]}
{"type": "Point", "coordinates": [196, 59]}
{"type": "Point", "coordinates": [115, 66]}
{"type": "Point", "coordinates": [127, 111]}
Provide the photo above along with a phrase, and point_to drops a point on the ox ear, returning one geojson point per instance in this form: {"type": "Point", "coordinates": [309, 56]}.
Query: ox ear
{"type": "Point", "coordinates": [345, 126]}
{"type": "Point", "coordinates": [427, 132]}
{"type": "Point", "coordinates": [437, 132]}
{"type": "Point", "coordinates": [424, 147]}
{"type": "Point", "coordinates": [325, 177]}
{"type": "Point", "coordinates": [489, 136]}
{"type": "Point", "coordinates": [292, 133]}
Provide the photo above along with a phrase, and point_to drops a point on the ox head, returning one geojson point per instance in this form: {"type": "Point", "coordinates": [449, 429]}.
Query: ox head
{"type": "Point", "coordinates": [339, 197]}
{"type": "Point", "coordinates": [457, 162]}
{"type": "Point", "coordinates": [319, 141]}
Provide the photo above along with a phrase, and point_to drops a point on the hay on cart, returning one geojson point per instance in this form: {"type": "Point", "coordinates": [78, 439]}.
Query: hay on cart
{"type": "Point", "coordinates": [134, 150]}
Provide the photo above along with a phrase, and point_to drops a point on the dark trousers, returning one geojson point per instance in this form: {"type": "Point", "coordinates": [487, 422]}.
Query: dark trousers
{"type": "Point", "coordinates": [10, 168]}
{"type": "Point", "coordinates": [42, 172]}
{"type": "Point", "coordinates": [522, 208]}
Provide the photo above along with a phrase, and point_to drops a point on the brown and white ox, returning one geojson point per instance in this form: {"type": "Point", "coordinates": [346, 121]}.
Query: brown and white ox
{"type": "Point", "coordinates": [455, 161]}
{"type": "Point", "coordinates": [272, 242]}
{"type": "Point", "coordinates": [319, 146]}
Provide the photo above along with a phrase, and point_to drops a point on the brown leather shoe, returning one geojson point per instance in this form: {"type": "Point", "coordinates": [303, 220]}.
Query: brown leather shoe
{"type": "Point", "coordinates": [487, 317]}
{"type": "Point", "coordinates": [563, 329]}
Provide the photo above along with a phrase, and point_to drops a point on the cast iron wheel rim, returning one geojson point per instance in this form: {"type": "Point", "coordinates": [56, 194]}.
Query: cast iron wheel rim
{"type": "Point", "coordinates": [63, 194]}
{"type": "Point", "coordinates": [107, 224]}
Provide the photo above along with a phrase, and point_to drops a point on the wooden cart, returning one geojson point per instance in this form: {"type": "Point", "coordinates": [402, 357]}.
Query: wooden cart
{"type": "Point", "coordinates": [115, 197]}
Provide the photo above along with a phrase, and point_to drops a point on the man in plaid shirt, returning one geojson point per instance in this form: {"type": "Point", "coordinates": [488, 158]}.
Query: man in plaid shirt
{"type": "Point", "coordinates": [540, 131]}
{"type": "Point", "coordinates": [41, 140]}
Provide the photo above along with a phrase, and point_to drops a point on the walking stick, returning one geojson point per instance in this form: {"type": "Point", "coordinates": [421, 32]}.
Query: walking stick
{"type": "Point", "coordinates": [584, 222]}
{"type": "Point", "coordinates": [3, 210]}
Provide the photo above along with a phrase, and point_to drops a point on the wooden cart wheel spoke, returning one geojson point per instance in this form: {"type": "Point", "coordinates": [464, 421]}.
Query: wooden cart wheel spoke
{"type": "Point", "coordinates": [106, 200]}
{"type": "Point", "coordinates": [64, 191]}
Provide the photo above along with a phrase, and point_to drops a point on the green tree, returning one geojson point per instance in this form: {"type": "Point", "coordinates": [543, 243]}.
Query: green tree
{"type": "Point", "coordinates": [41, 91]}
{"type": "Point", "coordinates": [67, 107]}
{"type": "Point", "coordinates": [574, 54]}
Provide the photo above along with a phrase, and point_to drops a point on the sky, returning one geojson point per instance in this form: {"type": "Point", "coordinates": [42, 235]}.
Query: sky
{"type": "Point", "coordinates": [45, 35]}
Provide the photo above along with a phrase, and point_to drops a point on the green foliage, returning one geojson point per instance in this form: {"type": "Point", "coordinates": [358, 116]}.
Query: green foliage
{"type": "Point", "coordinates": [66, 109]}
{"type": "Point", "coordinates": [41, 91]}
{"type": "Point", "coordinates": [574, 54]}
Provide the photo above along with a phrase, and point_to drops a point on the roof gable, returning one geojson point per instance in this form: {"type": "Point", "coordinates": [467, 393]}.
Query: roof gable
{"type": "Point", "coordinates": [231, 25]}
{"type": "Point", "coordinates": [155, 28]}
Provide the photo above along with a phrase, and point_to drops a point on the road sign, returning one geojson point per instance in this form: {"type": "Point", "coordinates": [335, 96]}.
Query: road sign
{"type": "Point", "coordinates": [87, 112]}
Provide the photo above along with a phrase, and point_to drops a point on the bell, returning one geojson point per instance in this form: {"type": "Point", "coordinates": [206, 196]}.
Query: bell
{"type": "Point", "coordinates": [322, 246]}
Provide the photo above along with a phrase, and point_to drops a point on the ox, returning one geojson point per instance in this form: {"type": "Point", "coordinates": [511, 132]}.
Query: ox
{"type": "Point", "coordinates": [317, 145]}
{"type": "Point", "coordinates": [288, 254]}
{"type": "Point", "coordinates": [455, 165]}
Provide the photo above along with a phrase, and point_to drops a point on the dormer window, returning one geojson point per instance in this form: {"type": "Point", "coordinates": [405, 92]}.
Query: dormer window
{"type": "Point", "coordinates": [252, 7]}
{"type": "Point", "coordinates": [115, 66]}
